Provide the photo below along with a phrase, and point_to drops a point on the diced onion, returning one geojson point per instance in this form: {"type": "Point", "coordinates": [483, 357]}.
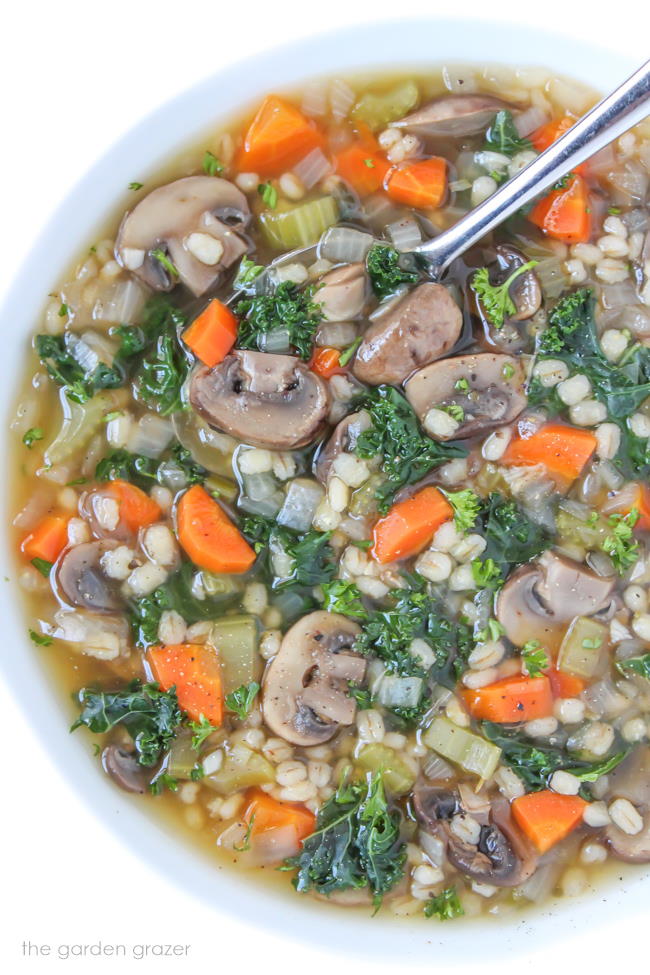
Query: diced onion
{"type": "Point", "coordinates": [336, 335]}
{"type": "Point", "coordinates": [541, 883]}
{"type": "Point", "coordinates": [258, 487]}
{"type": "Point", "coordinates": [399, 692]}
{"type": "Point", "coordinates": [82, 353]}
{"type": "Point", "coordinates": [600, 563]}
{"type": "Point", "coordinates": [458, 78]}
{"type": "Point", "coordinates": [405, 234]}
{"type": "Point", "coordinates": [630, 182]}
{"type": "Point", "coordinates": [312, 168]}
{"type": "Point", "coordinates": [121, 302]}
{"type": "Point", "coordinates": [602, 698]}
{"type": "Point", "coordinates": [150, 436]}
{"type": "Point", "coordinates": [341, 99]}
{"type": "Point", "coordinates": [343, 245]}
{"type": "Point", "coordinates": [603, 161]}
{"type": "Point", "coordinates": [172, 476]}
{"type": "Point", "coordinates": [275, 845]}
{"type": "Point", "coordinates": [459, 185]}
{"type": "Point", "coordinates": [636, 220]}
{"type": "Point", "coordinates": [637, 319]}
{"type": "Point", "coordinates": [267, 507]}
{"type": "Point", "coordinates": [314, 99]}
{"type": "Point", "coordinates": [526, 122]}
{"type": "Point", "coordinates": [617, 295]}
{"type": "Point", "coordinates": [277, 340]}
{"type": "Point", "coordinates": [300, 503]}
{"type": "Point", "coordinates": [437, 768]}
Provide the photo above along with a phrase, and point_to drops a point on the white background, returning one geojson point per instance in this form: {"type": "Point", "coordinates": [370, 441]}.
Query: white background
{"type": "Point", "coordinates": [74, 76]}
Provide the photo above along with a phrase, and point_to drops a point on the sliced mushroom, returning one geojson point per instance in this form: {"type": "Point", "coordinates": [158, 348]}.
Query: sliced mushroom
{"type": "Point", "coordinates": [631, 849]}
{"type": "Point", "coordinates": [80, 580]}
{"type": "Point", "coordinates": [452, 115]}
{"type": "Point", "coordinates": [343, 293]}
{"type": "Point", "coordinates": [501, 857]}
{"type": "Point", "coordinates": [262, 399]}
{"type": "Point", "coordinates": [305, 690]}
{"type": "Point", "coordinates": [342, 440]}
{"type": "Point", "coordinates": [631, 779]}
{"type": "Point", "coordinates": [526, 294]}
{"type": "Point", "coordinates": [124, 769]}
{"type": "Point", "coordinates": [195, 222]}
{"type": "Point", "coordinates": [541, 598]}
{"type": "Point", "coordinates": [421, 327]}
{"type": "Point", "coordinates": [488, 388]}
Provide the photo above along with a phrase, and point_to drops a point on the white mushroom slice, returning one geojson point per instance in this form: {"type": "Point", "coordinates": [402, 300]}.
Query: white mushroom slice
{"type": "Point", "coordinates": [263, 399]}
{"type": "Point", "coordinates": [453, 115]}
{"type": "Point", "coordinates": [208, 211]}
{"type": "Point", "coordinates": [343, 293]}
{"type": "Point", "coordinates": [305, 695]}
{"type": "Point", "coordinates": [80, 580]}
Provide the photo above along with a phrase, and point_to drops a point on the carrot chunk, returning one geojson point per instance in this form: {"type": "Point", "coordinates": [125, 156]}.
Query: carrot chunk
{"type": "Point", "coordinates": [362, 168]}
{"type": "Point", "coordinates": [264, 813]}
{"type": "Point", "coordinates": [212, 335]}
{"type": "Point", "coordinates": [47, 540]}
{"type": "Point", "coordinates": [419, 184]}
{"type": "Point", "coordinates": [137, 509]}
{"type": "Point", "coordinates": [194, 670]}
{"type": "Point", "coordinates": [547, 817]}
{"type": "Point", "coordinates": [565, 213]}
{"type": "Point", "coordinates": [546, 134]}
{"type": "Point", "coordinates": [511, 699]}
{"type": "Point", "coordinates": [565, 685]}
{"type": "Point", "coordinates": [564, 451]}
{"type": "Point", "coordinates": [325, 361]}
{"type": "Point", "coordinates": [209, 537]}
{"type": "Point", "coordinates": [410, 525]}
{"type": "Point", "coordinates": [277, 138]}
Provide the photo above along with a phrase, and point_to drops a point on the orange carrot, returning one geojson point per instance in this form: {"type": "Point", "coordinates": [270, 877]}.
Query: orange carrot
{"type": "Point", "coordinates": [546, 134]}
{"type": "Point", "coordinates": [564, 451]}
{"type": "Point", "coordinates": [547, 817]}
{"type": "Point", "coordinates": [362, 168]}
{"type": "Point", "coordinates": [194, 670]}
{"type": "Point", "coordinates": [277, 138]}
{"type": "Point", "coordinates": [565, 213]}
{"type": "Point", "coordinates": [208, 536]}
{"type": "Point", "coordinates": [410, 525]}
{"type": "Point", "coordinates": [137, 509]}
{"type": "Point", "coordinates": [325, 361]}
{"type": "Point", "coordinates": [565, 685]}
{"type": "Point", "coordinates": [264, 812]}
{"type": "Point", "coordinates": [212, 335]}
{"type": "Point", "coordinates": [511, 699]}
{"type": "Point", "coordinates": [419, 184]}
{"type": "Point", "coordinates": [47, 540]}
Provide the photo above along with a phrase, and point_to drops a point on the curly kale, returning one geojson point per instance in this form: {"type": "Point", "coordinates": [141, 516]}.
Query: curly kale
{"type": "Point", "coordinates": [386, 276]}
{"type": "Point", "coordinates": [287, 308]}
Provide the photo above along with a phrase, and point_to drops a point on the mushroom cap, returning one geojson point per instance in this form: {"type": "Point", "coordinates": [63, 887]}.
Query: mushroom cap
{"type": "Point", "coordinates": [631, 849]}
{"type": "Point", "coordinates": [305, 689]}
{"type": "Point", "coordinates": [167, 216]}
{"type": "Point", "coordinates": [421, 327]}
{"type": "Point", "coordinates": [124, 769]}
{"type": "Point", "coordinates": [343, 293]}
{"type": "Point", "coordinates": [263, 399]}
{"type": "Point", "coordinates": [493, 398]}
{"type": "Point", "coordinates": [342, 440]}
{"type": "Point", "coordinates": [452, 115]}
{"type": "Point", "coordinates": [541, 598]}
{"type": "Point", "coordinates": [80, 581]}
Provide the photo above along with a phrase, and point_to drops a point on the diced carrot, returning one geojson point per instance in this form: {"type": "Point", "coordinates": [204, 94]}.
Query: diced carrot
{"type": "Point", "coordinates": [47, 540]}
{"type": "Point", "coordinates": [563, 450]}
{"type": "Point", "coordinates": [547, 817]}
{"type": "Point", "coordinates": [419, 184]}
{"type": "Point", "coordinates": [194, 670]}
{"type": "Point", "coordinates": [271, 813]}
{"type": "Point", "coordinates": [511, 699]}
{"type": "Point", "coordinates": [410, 525]}
{"type": "Point", "coordinates": [208, 536]}
{"type": "Point", "coordinates": [212, 335]}
{"type": "Point", "coordinates": [277, 138]}
{"type": "Point", "coordinates": [325, 361]}
{"type": "Point", "coordinates": [362, 168]}
{"type": "Point", "coordinates": [137, 509]}
{"type": "Point", "coordinates": [565, 213]}
{"type": "Point", "coordinates": [546, 135]}
{"type": "Point", "coordinates": [565, 685]}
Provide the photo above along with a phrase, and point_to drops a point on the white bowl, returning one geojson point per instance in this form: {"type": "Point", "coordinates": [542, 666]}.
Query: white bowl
{"type": "Point", "coordinates": [95, 198]}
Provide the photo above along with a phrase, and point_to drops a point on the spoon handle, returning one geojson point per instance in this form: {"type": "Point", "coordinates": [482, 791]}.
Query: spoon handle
{"type": "Point", "coordinates": [611, 117]}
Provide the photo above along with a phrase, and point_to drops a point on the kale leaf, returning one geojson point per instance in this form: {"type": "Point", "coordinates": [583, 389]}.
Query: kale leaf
{"type": "Point", "coordinates": [356, 843]}
{"type": "Point", "coordinates": [511, 536]}
{"type": "Point", "coordinates": [150, 716]}
{"type": "Point", "coordinates": [502, 135]}
{"type": "Point", "coordinates": [635, 665]}
{"type": "Point", "coordinates": [286, 308]}
{"type": "Point", "coordinates": [240, 701]}
{"type": "Point", "coordinates": [445, 906]}
{"type": "Point", "coordinates": [57, 353]}
{"type": "Point", "coordinates": [407, 455]}
{"type": "Point", "coordinates": [160, 373]}
{"type": "Point", "coordinates": [143, 471]}
{"type": "Point", "coordinates": [386, 276]}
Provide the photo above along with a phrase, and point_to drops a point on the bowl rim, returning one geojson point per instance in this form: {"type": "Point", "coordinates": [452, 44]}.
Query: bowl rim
{"type": "Point", "coordinates": [385, 43]}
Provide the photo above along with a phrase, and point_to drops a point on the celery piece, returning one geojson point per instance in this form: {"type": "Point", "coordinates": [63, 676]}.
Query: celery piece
{"type": "Point", "coordinates": [223, 487]}
{"type": "Point", "coordinates": [583, 648]}
{"type": "Point", "coordinates": [182, 757]}
{"type": "Point", "coordinates": [220, 586]}
{"type": "Point", "coordinates": [242, 768]}
{"type": "Point", "coordinates": [299, 226]}
{"type": "Point", "coordinates": [364, 499]}
{"type": "Point", "coordinates": [378, 110]}
{"type": "Point", "coordinates": [397, 775]}
{"type": "Point", "coordinates": [465, 748]}
{"type": "Point", "coordinates": [81, 421]}
{"type": "Point", "coordinates": [235, 638]}
{"type": "Point", "coordinates": [588, 533]}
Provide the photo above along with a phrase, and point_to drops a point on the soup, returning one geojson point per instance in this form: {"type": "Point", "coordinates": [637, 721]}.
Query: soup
{"type": "Point", "coordinates": [347, 570]}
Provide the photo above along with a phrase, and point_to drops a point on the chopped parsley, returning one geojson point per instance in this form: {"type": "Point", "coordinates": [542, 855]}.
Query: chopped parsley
{"type": "Point", "coordinates": [621, 545]}
{"type": "Point", "coordinates": [269, 195]}
{"type": "Point", "coordinates": [201, 730]}
{"type": "Point", "coordinates": [445, 906]}
{"type": "Point", "coordinates": [43, 566]}
{"type": "Point", "coordinates": [487, 574]}
{"type": "Point", "coordinates": [535, 658]}
{"type": "Point", "coordinates": [159, 255]}
{"type": "Point", "coordinates": [135, 185]}
{"type": "Point", "coordinates": [495, 299]}
{"type": "Point", "coordinates": [32, 435]}
{"type": "Point", "coordinates": [240, 701]}
{"type": "Point", "coordinates": [40, 639]}
{"type": "Point", "coordinates": [211, 165]}
{"type": "Point", "coordinates": [466, 507]}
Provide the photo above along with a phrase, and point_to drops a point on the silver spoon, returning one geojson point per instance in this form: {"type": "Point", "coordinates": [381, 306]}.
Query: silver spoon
{"type": "Point", "coordinates": [625, 107]}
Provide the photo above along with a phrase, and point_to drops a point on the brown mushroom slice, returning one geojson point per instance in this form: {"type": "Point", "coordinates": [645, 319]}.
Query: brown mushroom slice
{"type": "Point", "coordinates": [455, 116]}
{"type": "Point", "coordinates": [305, 689]}
{"type": "Point", "coordinates": [80, 580]}
{"type": "Point", "coordinates": [501, 857]}
{"type": "Point", "coordinates": [423, 326]}
{"type": "Point", "coordinates": [488, 387]}
{"type": "Point", "coordinates": [539, 600]}
{"type": "Point", "coordinates": [195, 222]}
{"type": "Point", "coordinates": [631, 779]}
{"type": "Point", "coordinates": [263, 399]}
{"type": "Point", "coordinates": [343, 293]}
{"type": "Point", "coordinates": [124, 769]}
{"type": "Point", "coordinates": [341, 441]}
{"type": "Point", "coordinates": [631, 849]}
